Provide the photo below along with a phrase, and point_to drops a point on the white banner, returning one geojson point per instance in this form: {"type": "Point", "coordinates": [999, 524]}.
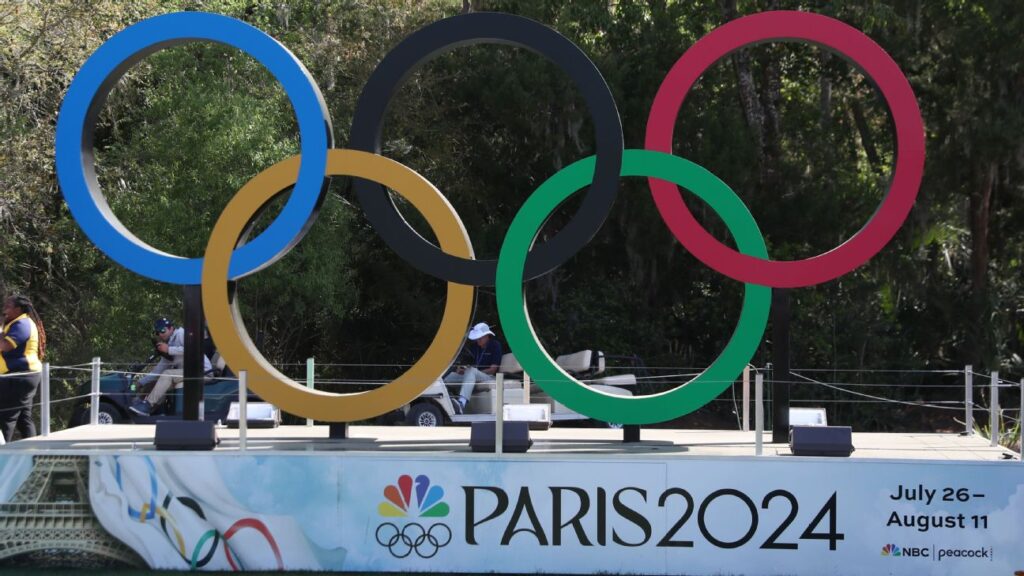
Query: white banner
{"type": "Point", "coordinates": [686, 515]}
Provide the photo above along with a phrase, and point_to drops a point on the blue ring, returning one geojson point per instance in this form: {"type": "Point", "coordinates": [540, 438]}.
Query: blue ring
{"type": "Point", "coordinates": [87, 94]}
{"type": "Point", "coordinates": [133, 512]}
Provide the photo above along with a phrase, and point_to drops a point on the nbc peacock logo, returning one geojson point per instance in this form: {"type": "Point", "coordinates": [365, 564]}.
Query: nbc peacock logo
{"type": "Point", "coordinates": [398, 501]}
{"type": "Point", "coordinates": [891, 550]}
{"type": "Point", "coordinates": [407, 501]}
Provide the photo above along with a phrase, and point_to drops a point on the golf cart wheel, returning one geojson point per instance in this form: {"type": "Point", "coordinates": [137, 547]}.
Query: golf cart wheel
{"type": "Point", "coordinates": [108, 414]}
{"type": "Point", "coordinates": [426, 415]}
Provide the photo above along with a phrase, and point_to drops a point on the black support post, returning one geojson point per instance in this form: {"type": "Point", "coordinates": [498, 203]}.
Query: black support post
{"type": "Point", "coordinates": [338, 431]}
{"type": "Point", "coordinates": [194, 367]}
{"type": "Point", "coordinates": [780, 364]}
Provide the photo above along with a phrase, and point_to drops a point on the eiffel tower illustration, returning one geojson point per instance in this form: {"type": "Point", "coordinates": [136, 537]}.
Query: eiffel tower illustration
{"type": "Point", "coordinates": [50, 523]}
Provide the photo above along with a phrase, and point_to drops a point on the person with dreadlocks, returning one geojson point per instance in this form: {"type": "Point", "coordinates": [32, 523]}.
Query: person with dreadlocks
{"type": "Point", "coordinates": [22, 345]}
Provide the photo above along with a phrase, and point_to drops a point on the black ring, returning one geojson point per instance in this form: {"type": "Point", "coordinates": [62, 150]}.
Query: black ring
{"type": "Point", "coordinates": [398, 537]}
{"type": "Point", "coordinates": [466, 30]}
{"type": "Point", "coordinates": [163, 522]}
{"type": "Point", "coordinates": [447, 540]}
{"type": "Point", "coordinates": [430, 537]}
{"type": "Point", "coordinates": [191, 503]}
{"type": "Point", "coordinates": [391, 540]}
{"type": "Point", "coordinates": [419, 539]}
{"type": "Point", "coordinates": [194, 506]}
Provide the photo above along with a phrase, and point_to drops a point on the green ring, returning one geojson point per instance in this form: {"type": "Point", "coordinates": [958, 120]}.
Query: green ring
{"type": "Point", "coordinates": [194, 563]}
{"type": "Point", "coordinates": [572, 393]}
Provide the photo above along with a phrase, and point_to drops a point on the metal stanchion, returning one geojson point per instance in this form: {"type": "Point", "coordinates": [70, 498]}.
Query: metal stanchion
{"type": "Point", "coordinates": [499, 413]}
{"type": "Point", "coordinates": [993, 411]}
{"type": "Point", "coordinates": [94, 394]}
{"type": "Point", "coordinates": [746, 398]}
{"type": "Point", "coordinates": [758, 414]}
{"type": "Point", "coordinates": [969, 399]}
{"type": "Point", "coordinates": [243, 409]}
{"type": "Point", "coordinates": [1020, 423]}
{"type": "Point", "coordinates": [309, 382]}
{"type": "Point", "coordinates": [44, 392]}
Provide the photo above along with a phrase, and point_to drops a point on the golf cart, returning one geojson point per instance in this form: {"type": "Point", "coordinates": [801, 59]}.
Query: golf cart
{"type": "Point", "coordinates": [119, 389]}
{"type": "Point", "coordinates": [433, 407]}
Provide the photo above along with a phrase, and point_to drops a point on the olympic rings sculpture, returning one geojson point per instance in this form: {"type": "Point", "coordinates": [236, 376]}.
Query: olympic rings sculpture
{"type": "Point", "coordinates": [413, 537]}
{"type": "Point", "coordinates": [228, 258]}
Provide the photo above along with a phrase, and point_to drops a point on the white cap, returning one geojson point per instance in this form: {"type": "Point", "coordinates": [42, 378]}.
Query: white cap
{"type": "Point", "coordinates": [479, 330]}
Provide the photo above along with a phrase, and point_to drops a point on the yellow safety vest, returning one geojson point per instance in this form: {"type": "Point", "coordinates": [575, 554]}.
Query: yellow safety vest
{"type": "Point", "coordinates": [26, 357]}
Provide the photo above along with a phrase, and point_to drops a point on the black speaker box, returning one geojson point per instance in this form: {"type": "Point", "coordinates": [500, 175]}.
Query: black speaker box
{"type": "Point", "coordinates": [821, 440]}
{"type": "Point", "coordinates": [185, 435]}
{"type": "Point", "coordinates": [516, 438]}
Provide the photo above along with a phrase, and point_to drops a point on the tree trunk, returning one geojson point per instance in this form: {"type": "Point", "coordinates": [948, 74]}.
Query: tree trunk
{"type": "Point", "coordinates": [980, 208]}
{"type": "Point", "coordinates": [980, 343]}
{"type": "Point", "coordinates": [771, 99]}
{"type": "Point", "coordinates": [866, 140]}
{"type": "Point", "coordinates": [825, 93]}
{"type": "Point", "coordinates": [752, 111]}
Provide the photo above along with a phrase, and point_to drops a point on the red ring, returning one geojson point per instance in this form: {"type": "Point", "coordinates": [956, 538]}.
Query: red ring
{"type": "Point", "coordinates": [259, 527]}
{"type": "Point", "coordinates": [875, 63]}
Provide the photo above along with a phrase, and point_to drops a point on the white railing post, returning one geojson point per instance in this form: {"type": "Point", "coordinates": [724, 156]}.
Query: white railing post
{"type": "Point", "coordinates": [993, 412]}
{"type": "Point", "coordinates": [1020, 424]}
{"type": "Point", "coordinates": [499, 414]}
{"type": "Point", "coordinates": [758, 414]}
{"type": "Point", "coordinates": [94, 394]}
{"type": "Point", "coordinates": [44, 393]}
{"type": "Point", "coordinates": [243, 409]}
{"type": "Point", "coordinates": [310, 368]}
{"type": "Point", "coordinates": [526, 388]}
{"type": "Point", "coordinates": [746, 398]}
{"type": "Point", "coordinates": [969, 399]}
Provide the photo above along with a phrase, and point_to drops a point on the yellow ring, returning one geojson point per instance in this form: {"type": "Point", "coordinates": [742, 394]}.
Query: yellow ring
{"type": "Point", "coordinates": [233, 341]}
{"type": "Point", "coordinates": [161, 512]}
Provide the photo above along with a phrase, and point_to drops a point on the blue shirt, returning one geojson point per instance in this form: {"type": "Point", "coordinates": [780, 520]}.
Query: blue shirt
{"type": "Point", "coordinates": [489, 355]}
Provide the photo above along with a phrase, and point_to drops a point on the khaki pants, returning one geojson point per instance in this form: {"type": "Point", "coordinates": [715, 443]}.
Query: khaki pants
{"type": "Point", "coordinates": [164, 383]}
{"type": "Point", "coordinates": [469, 379]}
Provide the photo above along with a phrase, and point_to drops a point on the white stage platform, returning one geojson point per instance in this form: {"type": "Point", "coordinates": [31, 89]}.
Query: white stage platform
{"type": "Point", "coordinates": [557, 442]}
{"type": "Point", "coordinates": [401, 499]}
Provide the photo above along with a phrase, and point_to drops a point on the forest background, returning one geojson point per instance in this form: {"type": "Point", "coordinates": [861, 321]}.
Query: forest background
{"type": "Point", "coordinates": [801, 135]}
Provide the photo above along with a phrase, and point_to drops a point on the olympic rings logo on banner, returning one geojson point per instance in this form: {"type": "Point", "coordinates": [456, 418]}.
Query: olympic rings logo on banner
{"type": "Point", "coordinates": [150, 510]}
{"type": "Point", "coordinates": [453, 260]}
{"type": "Point", "coordinates": [413, 537]}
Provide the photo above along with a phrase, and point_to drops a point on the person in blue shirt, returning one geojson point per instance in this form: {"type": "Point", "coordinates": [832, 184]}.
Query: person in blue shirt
{"type": "Point", "coordinates": [487, 352]}
{"type": "Point", "coordinates": [22, 344]}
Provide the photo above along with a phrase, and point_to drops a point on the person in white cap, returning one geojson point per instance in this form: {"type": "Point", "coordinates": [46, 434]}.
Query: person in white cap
{"type": "Point", "coordinates": [487, 352]}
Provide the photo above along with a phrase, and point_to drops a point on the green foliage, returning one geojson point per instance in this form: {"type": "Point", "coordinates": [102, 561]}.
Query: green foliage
{"type": "Point", "coordinates": [1009, 435]}
{"type": "Point", "coordinates": [188, 126]}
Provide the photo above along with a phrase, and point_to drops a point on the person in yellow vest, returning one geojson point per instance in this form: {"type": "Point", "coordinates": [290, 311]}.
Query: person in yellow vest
{"type": "Point", "coordinates": [22, 344]}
